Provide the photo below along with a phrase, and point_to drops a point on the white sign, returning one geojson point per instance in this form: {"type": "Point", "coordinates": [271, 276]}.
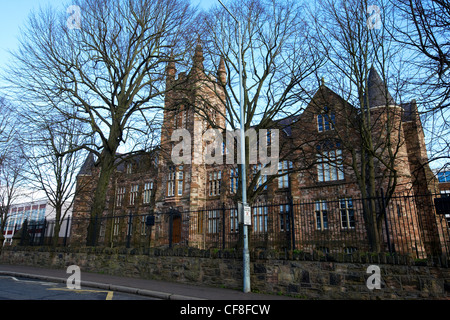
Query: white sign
{"type": "Point", "coordinates": [244, 214]}
{"type": "Point", "coordinates": [247, 216]}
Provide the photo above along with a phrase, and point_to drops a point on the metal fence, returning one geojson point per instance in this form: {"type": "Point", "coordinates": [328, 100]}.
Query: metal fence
{"type": "Point", "coordinates": [417, 226]}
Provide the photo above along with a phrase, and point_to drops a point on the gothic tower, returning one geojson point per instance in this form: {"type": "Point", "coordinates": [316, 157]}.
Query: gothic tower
{"type": "Point", "coordinates": [194, 103]}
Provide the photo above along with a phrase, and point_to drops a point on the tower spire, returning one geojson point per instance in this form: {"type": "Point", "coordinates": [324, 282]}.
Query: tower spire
{"type": "Point", "coordinates": [198, 56]}
{"type": "Point", "coordinates": [170, 69]}
{"type": "Point", "coordinates": [378, 95]}
{"type": "Point", "coordinates": [222, 72]}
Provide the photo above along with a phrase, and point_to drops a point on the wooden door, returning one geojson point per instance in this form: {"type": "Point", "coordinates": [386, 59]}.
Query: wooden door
{"type": "Point", "coordinates": [176, 229]}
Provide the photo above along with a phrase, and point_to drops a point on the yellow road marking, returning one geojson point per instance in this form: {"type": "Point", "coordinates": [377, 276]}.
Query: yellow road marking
{"type": "Point", "coordinates": [109, 294]}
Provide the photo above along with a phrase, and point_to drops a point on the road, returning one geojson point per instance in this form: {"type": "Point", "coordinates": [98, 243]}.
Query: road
{"type": "Point", "coordinates": [15, 288]}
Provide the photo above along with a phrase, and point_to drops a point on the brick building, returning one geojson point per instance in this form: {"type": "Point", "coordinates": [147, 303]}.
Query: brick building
{"type": "Point", "coordinates": [315, 193]}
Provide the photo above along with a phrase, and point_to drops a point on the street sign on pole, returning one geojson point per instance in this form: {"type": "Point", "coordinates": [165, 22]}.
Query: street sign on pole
{"type": "Point", "coordinates": [244, 214]}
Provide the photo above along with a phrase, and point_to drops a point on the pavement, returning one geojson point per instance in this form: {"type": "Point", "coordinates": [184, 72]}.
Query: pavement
{"type": "Point", "coordinates": [165, 290]}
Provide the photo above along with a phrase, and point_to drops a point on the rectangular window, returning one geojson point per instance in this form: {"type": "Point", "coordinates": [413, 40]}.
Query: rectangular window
{"type": "Point", "coordinates": [34, 214]}
{"type": "Point", "coordinates": [444, 176]}
{"type": "Point", "coordinates": [129, 168]}
{"type": "Point", "coordinates": [215, 180]}
{"type": "Point", "coordinates": [27, 213]}
{"type": "Point", "coordinates": [171, 182]}
{"type": "Point", "coordinates": [116, 226]}
{"type": "Point", "coordinates": [219, 182]}
{"type": "Point", "coordinates": [143, 226]}
{"type": "Point", "coordinates": [119, 196]}
{"type": "Point", "coordinates": [224, 148]}
{"type": "Point", "coordinates": [21, 215]}
{"type": "Point", "coordinates": [283, 168]}
{"type": "Point", "coordinates": [148, 187]}
{"type": "Point", "coordinates": [260, 219]}
{"type": "Point", "coordinates": [347, 213]}
{"type": "Point", "coordinates": [321, 215]}
{"type": "Point", "coordinates": [330, 166]}
{"type": "Point", "coordinates": [180, 183]}
{"type": "Point", "coordinates": [133, 194]}
{"type": "Point", "coordinates": [213, 221]}
{"type": "Point", "coordinates": [13, 216]}
{"type": "Point", "coordinates": [234, 181]}
{"type": "Point", "coordinates": [284, 217]}
{"type": "Point", "coordinates": [234, 223]}
{"type": "Point", "coordinates": [320, 122]}
{"type": "Point", "coordinates": [326, 121]}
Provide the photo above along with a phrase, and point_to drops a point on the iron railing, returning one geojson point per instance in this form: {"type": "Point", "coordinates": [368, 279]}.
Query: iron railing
{"type": "Point", "coordinates": [410, 225]}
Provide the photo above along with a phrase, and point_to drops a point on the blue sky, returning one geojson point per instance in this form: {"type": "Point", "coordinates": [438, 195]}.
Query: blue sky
{"type": "Point", "coordinates": [13, 16]}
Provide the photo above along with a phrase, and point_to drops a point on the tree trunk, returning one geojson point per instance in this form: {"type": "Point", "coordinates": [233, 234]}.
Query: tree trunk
{"type": "Point", "coordinates": [57, 228]}
{"type": "Point", "coordinates": [371, 216]}
{"type": "Point", "coordinates": [98, 206]}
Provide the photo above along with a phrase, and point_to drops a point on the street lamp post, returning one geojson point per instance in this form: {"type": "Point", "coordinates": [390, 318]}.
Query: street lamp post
{"type": "Point", "coordinates": [243, 171]}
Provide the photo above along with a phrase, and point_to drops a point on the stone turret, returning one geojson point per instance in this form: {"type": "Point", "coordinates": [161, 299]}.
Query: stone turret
{"type": "Point", "coordinates": [198, 69]}
{"type": "Point", "coordinates": [170, 72]}
{"type": "Point", "coordinates": [378, 95]}
{"type": "Point", "coordinates": [222, 72]}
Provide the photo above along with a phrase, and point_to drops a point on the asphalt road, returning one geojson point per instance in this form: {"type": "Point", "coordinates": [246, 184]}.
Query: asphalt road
{"type": "Point", "coordinates": [14, 288]}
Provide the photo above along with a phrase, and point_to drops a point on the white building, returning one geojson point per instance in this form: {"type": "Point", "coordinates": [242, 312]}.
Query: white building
{"type": "Point", "coordinates": [35, 213]}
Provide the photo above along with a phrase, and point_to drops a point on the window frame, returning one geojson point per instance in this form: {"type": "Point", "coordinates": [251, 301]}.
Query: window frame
{"type": "Point", "coordinates": [330, 165]}
{"type": "Point", "coordinates": [120, 195]}
{"type": "Point", "coordinates": [171, 182]}
{"type": "Point", "coordinates": [326, 121]}
{"type": "Point", "coordinates": [148, 190]}
{"type": "Point", "coordinates": [214, 183]}
{"type": "Point", "coordinates": [283, 172]}
{"type": "Point", "coordinates": [260, 219]}
{"type": "Point", "coordinates": [134, 193]}
{"type": "Point", "coordinates": [180, 181]}
{"type": "Point", "coordinates": [345, 211]}
{"type": "Point", "coordinates": [284, 218]}
{"type": "Point", "coordinates": [321, 215]}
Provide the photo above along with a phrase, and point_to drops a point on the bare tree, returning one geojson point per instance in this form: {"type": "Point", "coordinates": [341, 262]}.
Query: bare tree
{"type": "Point", "coordinates": [424, 28]}
{"type": "Point", "coordinates": [362, 62]}
{"type": "Point", "coordinates": [108, 66]}
{"type": "Point", "coordinates": [11, 162]}
{"type": "Point", "coordinates": [278, 61]}
{"type": "Point", "coordinates": [51, 168]}
{"type": "Point", "coordinates": [12, 180]}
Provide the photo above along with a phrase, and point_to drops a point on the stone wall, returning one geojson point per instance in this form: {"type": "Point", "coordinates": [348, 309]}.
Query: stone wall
{"type": "Point", "coordinates": [275, 273]}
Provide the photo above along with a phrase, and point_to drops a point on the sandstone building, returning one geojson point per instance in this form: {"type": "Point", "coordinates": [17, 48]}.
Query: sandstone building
{"type": "Point", "coordinates": [314, 201]}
